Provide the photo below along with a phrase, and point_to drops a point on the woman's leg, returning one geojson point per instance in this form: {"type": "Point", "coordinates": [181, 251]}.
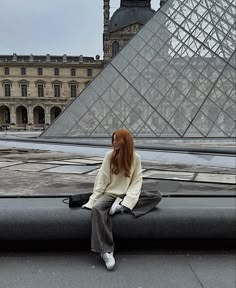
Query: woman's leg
{"type": "Point", "coordinates": [101, 234]}
{"type": "Point", "coordinates": [148, 200]}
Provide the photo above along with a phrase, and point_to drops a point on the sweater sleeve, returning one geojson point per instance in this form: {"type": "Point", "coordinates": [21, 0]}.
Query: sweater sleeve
{"type": "Point", "coordinates": [134, 190]}
{"type": "Point", "coordinates": [101, 181]}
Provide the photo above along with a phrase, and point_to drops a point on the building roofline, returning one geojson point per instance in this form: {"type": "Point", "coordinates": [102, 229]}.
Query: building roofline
{"type": "Point", "coordinates": [47, 58]}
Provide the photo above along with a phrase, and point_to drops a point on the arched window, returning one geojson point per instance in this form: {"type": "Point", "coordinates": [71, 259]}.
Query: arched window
{"type": "Point", "coordinates": [54, 112]}
{"type": "Point", "coordinates": [21, 115]}
{"type": "Point", "coordinates": [4, 115]}
{"type": "Point", "coordinates": [115, 48]}
{"type": "Point", "coordinates": [39, 115]}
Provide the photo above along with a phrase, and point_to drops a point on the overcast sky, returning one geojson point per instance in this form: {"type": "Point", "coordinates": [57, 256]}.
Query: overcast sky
{"type": "Point", "coordinates": [57, 27]}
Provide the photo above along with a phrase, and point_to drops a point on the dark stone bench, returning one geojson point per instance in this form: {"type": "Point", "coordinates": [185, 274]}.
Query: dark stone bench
{"type": "Point", "coordinates": [174, 218]}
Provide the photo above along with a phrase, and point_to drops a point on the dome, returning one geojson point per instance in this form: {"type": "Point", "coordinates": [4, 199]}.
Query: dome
{"type": "Point", "coordinates": [124, 16]}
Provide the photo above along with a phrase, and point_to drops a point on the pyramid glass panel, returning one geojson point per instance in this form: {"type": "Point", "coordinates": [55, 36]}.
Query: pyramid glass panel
{"type": "Point", "coordinates": [144, 109]}
{"type": "Point", "coordinates": [111, 122]}
{"type": "Point", "coordinates": [88, 123]}
{"type": "Point", "coordinates": [166, 109]}
{"type": "Point", "coordinates": [100, 131]}
{"type": "Point", "coordinates": [110, 97]}
{"type": "Point", "coordinates": [153, 97]}
{"type": "Point", "coordinates": [174, 78]}
{"type": "Point", "coordinates": [130, 73]}
{"type": "Point", "coordinates": [146, 131]}
{"type": "Point", "coordinates": [169, 132]}
{"type": "Point", "coordinates": [216, 131]}
{"type": "Point", "coordinates": [203, 123]}
{"type": "Point", "coordinates": [122, 109]}
{"type": "Point", "coordinates": [188, 109]}
{"type": "Point", "coordinates": [110, 73]}
{"type": "Point", "coordinates": [193, 132]}
{"type": "Point", "coordinates": [211, 110]}
{"type": "Point", "coordinates": [150, 73]}
{"type": "Point", "coordinates": [139, 63]}
{"type": "Point", "coordinates": [133, 123]}
{"type": "Point", "coordinates": [128, 53]}
{"type": "Point", "coordinates": [156, 123]}
{"type": "Point", "coordinates": [175, 97]}
{"type": "Point", "coordinates": [225, 123]}
{"type": "Point", "coordinates": [230, 109]}
{"type": "Point", "coordinates": [99, 109]}
{"type": "Point", "coordinates": [179, 123]}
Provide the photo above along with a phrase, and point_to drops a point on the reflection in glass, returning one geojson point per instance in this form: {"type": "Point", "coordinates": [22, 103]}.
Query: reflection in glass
{"type": "Point", "coordinates": [174, 78]}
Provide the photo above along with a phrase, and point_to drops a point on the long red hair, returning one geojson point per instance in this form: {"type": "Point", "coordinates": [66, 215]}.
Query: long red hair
{"type": "Point", "coordinates": [122, 159]}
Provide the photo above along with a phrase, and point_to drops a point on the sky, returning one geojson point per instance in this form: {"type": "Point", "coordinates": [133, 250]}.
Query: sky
{"type": "Point", "coordinates": [55, 27]}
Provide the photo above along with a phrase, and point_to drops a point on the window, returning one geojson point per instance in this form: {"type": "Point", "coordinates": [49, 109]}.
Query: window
{"type": "Point", "coordinates": [57, 90]}
{"type": "Point", "coordinates": [115, 48]}
{"type": "Point", "coordinates": [40, 90]}
{"type": "Point", "coordinates": [73, 72]}
{"type": "Point", "coordinates": [7, 90]}
{"type": "Point", "coordinates": [73, 90]}
{"type": "Point", "coordinates": [89, 72]}
{"type": "Point", "coordinates": [23, 90]}
{"type": "Point", "coordinates": [23, 71]}
{"type": "Point", "coordinates": [7, 71]}
{"type": "Point", "coordinates": [56, 71]}
{"type": "Point", "coordinates": [40, 71]}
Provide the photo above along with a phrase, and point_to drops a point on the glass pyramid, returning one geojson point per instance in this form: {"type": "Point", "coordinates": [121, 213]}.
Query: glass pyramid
{"type": "Point", "coordinates": [175, 78]}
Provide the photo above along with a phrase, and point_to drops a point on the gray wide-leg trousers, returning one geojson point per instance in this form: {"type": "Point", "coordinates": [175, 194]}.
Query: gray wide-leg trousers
{"type": "Point", "coordinates": [101, 221]}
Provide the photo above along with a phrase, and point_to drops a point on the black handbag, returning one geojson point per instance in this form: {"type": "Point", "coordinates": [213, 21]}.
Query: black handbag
{"type": "Point", "coordinates": [77, 200]}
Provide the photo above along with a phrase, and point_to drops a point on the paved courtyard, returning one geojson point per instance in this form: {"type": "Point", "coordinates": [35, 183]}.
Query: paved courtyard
{"type": "Point", "coordinates": [136, 268]}
{"type": "Point", "coordinates": [29, 172]}
{"type": "Point", "coordinates": [25, 171]}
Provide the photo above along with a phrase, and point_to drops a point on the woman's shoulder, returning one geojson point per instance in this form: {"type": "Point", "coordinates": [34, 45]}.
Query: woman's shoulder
{"type": "Point", "coordinates": [106, 160]}
{"type": "Point", "coordinates": [108, 155]}
{"type": "Point", "coordinates": [137, 156]}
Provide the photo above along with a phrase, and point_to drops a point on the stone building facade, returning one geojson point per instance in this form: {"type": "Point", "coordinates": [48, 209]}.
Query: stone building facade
{"type": "Point", "coordinates": [124, 24]}
{"type": "Point", "coordinates": [35, 89]}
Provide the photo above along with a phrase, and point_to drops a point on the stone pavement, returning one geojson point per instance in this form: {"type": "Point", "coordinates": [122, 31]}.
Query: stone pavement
{"type": "Point", "coordinates": [135, 268]}
{"type": "Point", "coordinates": [30, 170]}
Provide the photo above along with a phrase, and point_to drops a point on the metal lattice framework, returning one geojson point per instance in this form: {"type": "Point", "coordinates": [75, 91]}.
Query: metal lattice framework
{"type": "Point", "coordinates": [175, 78]}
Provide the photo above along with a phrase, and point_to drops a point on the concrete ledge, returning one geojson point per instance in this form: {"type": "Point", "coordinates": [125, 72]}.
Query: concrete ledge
{"type": "Point", "coordinates": [174, 218]}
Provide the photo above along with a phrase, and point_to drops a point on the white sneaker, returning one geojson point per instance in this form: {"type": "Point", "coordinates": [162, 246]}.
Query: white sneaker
{"type": "Point", "coordinates": [109, 260]}
{"type": "Point", "coordinates": [116, 207]}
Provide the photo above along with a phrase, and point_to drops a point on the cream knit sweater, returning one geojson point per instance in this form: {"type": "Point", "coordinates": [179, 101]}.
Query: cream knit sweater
{"type": "Point", "coordinates": [128, 188]}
